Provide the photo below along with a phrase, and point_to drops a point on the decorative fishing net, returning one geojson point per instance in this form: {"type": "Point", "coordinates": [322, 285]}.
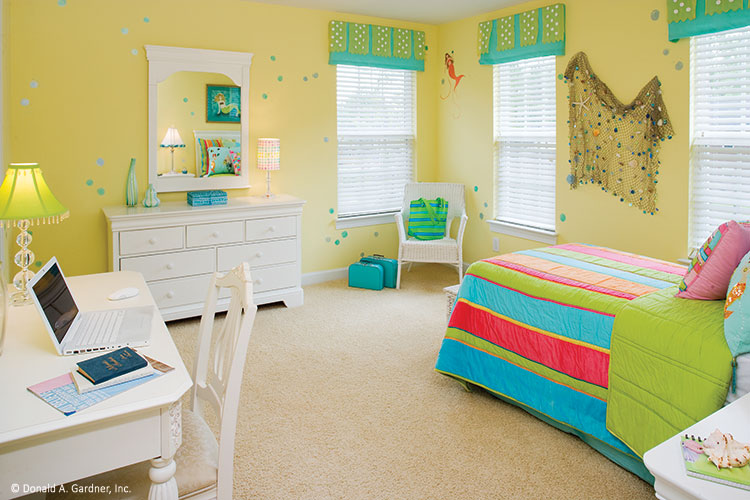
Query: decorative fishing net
{"type": "Point", "coordinates": [614, 145]}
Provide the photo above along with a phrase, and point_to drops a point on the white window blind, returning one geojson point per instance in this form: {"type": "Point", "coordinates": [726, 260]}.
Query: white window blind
{"type": "Point", "coordinates": [525, 152]}
{"type": "Point", "coordinates": [720, 154]}
{"type": "Point", "coordinates": [375, 109]}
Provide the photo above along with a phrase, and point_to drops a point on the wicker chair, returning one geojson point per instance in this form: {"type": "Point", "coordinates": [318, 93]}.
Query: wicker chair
{"type": "Point", "coordinates": [446, 250]}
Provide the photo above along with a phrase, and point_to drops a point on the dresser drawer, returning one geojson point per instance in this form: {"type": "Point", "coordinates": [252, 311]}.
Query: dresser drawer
{"type": "Point", "coordinates": [201, 235]}
{"type": "Point", "coordinates": [159, 267]}
{"type": "Point", "coordinates": [277, 227]}
{"type": "Point", "coordinates": [257, 254]}
{"type": "Point", "coordinates": [151, 240]}
{"type": "Point", "coordinates": [183, 291]}
{"type": "Point", "coordinates": [274, 278]}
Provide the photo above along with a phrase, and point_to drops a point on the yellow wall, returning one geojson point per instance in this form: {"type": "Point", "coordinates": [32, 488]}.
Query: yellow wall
{"type": "Point", "coordinates": [90, 107]}
{"type": "Point", "coordinates": [626, 48]}
{"type": "Point", "coordinates": [182, 104]}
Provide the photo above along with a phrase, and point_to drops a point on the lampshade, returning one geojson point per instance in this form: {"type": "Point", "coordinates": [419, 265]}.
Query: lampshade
{"type": "Point", "coordinates": [25, 195]}
{"type": "Point", "coordinates": [172, 139]}
{"type": "Point", "coordinates": [269, 154]}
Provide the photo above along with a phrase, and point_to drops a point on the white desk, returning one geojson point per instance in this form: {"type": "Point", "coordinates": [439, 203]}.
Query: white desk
{"type": "Point", "coordinates": [666, 464]}
{"type": "Point", "coordinates": [39, 446]}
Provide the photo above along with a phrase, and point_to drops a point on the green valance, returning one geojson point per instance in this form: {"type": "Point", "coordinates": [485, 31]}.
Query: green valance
{"type": "Point", "coordinates": [372, 45]}
{"type": "Point", "coordinates": [534, 33]}
{"type": "Point", "coordinates": [698, 17]}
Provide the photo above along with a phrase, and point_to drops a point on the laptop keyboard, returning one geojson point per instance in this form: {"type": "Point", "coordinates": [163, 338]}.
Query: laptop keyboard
{"type": "Point", "coordinates": [99, 328]}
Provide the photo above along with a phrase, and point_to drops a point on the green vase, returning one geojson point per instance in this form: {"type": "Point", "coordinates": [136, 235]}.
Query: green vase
{"type": "Point", "coordinates": [131, 188]}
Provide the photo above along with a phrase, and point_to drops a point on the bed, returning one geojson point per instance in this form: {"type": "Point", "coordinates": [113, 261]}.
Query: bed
{"type": "Point", "coordinates": [593, 341]}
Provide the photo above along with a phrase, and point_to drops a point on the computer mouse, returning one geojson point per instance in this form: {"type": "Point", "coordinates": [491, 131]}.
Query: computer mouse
{"type": "Point", "coordinates": [123, 293]}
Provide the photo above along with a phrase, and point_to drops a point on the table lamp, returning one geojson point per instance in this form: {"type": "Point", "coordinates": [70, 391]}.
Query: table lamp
{"type": "Point", "coordinates": [269, 158]}
{"type": "Point", "coordinates": [172, 140]}
{"type": "Point", "coordinates": [25, 200]}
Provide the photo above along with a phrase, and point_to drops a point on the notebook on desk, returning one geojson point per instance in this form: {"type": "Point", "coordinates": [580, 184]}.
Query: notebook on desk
{"type": "Point", "coordinates": [74, 331]}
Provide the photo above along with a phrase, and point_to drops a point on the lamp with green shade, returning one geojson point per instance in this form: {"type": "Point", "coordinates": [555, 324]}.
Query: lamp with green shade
{"type": "Point", "coordinates": [25, 200]}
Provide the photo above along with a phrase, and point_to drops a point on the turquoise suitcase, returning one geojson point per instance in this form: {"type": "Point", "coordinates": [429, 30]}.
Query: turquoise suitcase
{"type": "Point", "coordinates": [366, 275]}
{"type": "Point", "coordinates": [390, 268]}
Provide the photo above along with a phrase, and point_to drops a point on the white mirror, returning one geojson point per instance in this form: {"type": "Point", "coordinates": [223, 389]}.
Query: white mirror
{"type": "Point", "coordinates": [198, 99]}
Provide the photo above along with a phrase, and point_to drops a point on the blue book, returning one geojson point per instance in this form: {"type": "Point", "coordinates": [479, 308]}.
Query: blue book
{"type": "Point", "coordinates": [111, 365]}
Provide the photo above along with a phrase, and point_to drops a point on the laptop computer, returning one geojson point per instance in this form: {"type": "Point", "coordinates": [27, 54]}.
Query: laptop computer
{"type": "Point", "coordinates": [74, 331]}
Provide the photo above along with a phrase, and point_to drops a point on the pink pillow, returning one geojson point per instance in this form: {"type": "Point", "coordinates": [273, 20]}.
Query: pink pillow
{"type": "Point", "coordinates": [709, 273]}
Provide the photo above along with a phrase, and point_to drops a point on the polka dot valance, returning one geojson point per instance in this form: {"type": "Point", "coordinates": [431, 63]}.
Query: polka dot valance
{"type": "Point", "coordinates": [698, 17]}
{"type": "Point", "coordinates": [373, 45]}
{"type": "Point", "coordinates": [534, 33]}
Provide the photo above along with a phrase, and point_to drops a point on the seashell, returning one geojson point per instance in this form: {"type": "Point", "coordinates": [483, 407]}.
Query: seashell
{"type": "Point", "coordinates": [724, 452]}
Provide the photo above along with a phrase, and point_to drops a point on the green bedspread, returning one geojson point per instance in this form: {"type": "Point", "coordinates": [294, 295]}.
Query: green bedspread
{"type": "Point", "coordinates": [669, 367]}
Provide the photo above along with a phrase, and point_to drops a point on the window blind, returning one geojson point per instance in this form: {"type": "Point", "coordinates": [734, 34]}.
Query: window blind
{"type": "Point", "coordinates": [525, 150]}
{"type": "Point", "coordinates": [720, 153]}
{"type": "Point", "coordinates": [375, 110]}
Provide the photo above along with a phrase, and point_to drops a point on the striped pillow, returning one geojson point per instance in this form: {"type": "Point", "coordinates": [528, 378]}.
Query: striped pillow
{"type": "Point", "coordinates": [203, 145]}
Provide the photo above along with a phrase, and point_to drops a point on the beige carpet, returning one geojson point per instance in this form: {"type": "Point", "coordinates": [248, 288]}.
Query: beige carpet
{"type": "Point", "coordinates": [340, 400]}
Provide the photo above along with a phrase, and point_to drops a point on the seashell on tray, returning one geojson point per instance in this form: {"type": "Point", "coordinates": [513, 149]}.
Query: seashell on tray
{"type": "Point", "coordinates": [724, 452]}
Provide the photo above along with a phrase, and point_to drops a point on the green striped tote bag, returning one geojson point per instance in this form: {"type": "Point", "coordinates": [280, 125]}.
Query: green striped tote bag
{"type": "Point", "coordinates": [427, 218]}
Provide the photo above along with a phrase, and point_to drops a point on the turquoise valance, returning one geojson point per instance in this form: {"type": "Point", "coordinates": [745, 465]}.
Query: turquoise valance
{"type": "Point", "coordinates": [698, 17]}
{"type": "Point", "coordinates": [372, 45]}
{"type": "Point", "coordinates": [534, 33]}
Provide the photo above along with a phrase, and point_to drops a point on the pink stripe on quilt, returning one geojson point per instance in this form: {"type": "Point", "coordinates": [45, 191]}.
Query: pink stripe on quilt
{"type": "Point", "coordinates": [561, 280]}
{"type": "Point", "coordinates": [625, 258]}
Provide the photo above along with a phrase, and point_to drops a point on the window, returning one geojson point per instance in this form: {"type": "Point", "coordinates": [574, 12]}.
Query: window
{"type": "Point", "coordinates": [720, 153]}
{"type": "Point", "coordinates": [525, 143]}
{"type": "Point", "coordinates": [375, 109]}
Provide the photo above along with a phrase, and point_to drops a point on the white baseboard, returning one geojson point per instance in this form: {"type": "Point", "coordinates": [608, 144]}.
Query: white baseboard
{"type": "Point", "coordinates": [323, 276]}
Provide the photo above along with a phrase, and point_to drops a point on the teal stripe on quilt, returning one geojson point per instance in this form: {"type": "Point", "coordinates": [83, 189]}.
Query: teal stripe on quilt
{"type": "Point", "coordinates": [635, 278]}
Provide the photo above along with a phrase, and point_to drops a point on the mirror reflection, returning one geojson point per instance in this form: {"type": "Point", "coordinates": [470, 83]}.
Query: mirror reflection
{"type": "Point", "coordinates": [198, 126]}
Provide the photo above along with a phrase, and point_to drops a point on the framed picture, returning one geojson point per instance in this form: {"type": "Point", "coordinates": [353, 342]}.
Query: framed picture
{"type": "Point", "coordinates": [222, 104]}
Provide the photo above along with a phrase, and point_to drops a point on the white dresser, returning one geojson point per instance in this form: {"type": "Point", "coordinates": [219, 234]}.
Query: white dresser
{"type": "Point", "coordinates": [177, 248]}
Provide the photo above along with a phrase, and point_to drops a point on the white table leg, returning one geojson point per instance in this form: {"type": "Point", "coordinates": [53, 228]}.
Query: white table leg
{"type": "Point", "coordinates": [163, 484]}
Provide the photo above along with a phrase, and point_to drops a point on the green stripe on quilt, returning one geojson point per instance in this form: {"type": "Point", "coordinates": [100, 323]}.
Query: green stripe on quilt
{"type": "Point", "coordinates": [621, 266]}
{"type": "Point", "coordinates": [544, 371]}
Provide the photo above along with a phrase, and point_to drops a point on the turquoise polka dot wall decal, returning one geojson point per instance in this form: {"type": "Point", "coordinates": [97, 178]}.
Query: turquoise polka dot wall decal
{"type": "Point", "coordinates": [325, 139]}
{"type": "Point", "coordinates": [476, 188]}
{"type": "Point", "coordinates": [89, 182]}
{"type": "Point", "coordinates": [184, 99]}
{"type": "Point", "coordinates": [665, 52]}
{"type": "Point", "coordinates": [344, 234]}
{"type": "Point", "coordinates": [134, 52]}
{"type": "Point", "coordinates": [377, 234]}
{"type": "Point", "coordinates": [265, 96]}
{"type": "Point", "coordinates": [124, 31]}
{"type": "Point", "coordinates": [25, 102]}
{"type": "Point", "coordinates": [562, 217]}
{"type": "Point", "coordinates": [192, 113]}
{"type": "Point", "coordinates": [273, 58]}
{"type": "Point", "coordinates": [38, 263]}
{"type": "Point", "coordinates": [655, 15]}
{"type": "Point", "coordinates": [328, 239]}
{"type": "Point", "coordinates": [146, 20]}
{"type": "Point", "coordinates": [679, 65]}
{"type": "Point", "coordinates": [33, 84]}
{"type": "Point", "coordinates": [361, 254]}
{"type": "Point", "coordinates": [481, 215]}
{"type": "Point", "coordinates": [62, 3]}
{"type": "Point", "coordinates": [304, 78]}
{"type": "Point", "coordinates": [315, 75]}
{"type": "Point", "coordinates": [337, 242]}
{"type": "Point", "coordinates": [100, 191]}
{"type": "Point", "coordinates": [485, 204]}
{"type": "Point", "coordinates": [330, 210]}
{"type": "Point", "coordinates": [100, 162]}
{"type": "Point", "coordinates": [280, 78]}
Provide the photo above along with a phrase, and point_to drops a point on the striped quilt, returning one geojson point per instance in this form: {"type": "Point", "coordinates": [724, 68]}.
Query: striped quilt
{"type": "Point", "coordinates": [535, 327]}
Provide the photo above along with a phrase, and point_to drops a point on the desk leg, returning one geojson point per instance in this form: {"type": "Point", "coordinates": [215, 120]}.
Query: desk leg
{"type": "Point", "coordinates": [161, 473]}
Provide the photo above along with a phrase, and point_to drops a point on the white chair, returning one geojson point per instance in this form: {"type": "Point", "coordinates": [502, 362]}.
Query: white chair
{"type": "Point", "coordinates": [204, 467]}
{"type": "Point", "coordinates": [446, 250]}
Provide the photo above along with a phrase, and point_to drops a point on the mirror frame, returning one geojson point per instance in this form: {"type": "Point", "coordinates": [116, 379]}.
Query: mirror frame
{"type": "Point", "coordinates": [165, 61]}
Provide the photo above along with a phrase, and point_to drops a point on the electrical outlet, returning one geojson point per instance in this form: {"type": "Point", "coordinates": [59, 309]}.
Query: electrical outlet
{"type": "Point", "coordinates": [496, 244]}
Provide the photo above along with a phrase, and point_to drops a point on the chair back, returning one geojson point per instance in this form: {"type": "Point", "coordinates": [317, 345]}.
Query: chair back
{"type": "Point", "coordinates": [453, 193]}
{"type": "Point", "coordinates": [220, 362]}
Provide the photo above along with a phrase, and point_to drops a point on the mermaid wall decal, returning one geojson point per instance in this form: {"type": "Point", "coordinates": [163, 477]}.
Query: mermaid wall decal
{"type": "Point", "coordinates": [452, 85]}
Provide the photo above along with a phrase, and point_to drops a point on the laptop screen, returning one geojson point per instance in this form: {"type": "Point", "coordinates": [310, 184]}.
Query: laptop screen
{"type": "Point", "coordinates": [56, 301]}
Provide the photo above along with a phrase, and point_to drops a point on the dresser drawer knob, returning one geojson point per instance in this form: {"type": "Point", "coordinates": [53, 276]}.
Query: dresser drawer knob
{"type": "Point", "coordinates": [259, 255]}
{"type": "Point", "coordinates": [152, 241]}
{"type": "Point", "coordinates": [215, 234]}
{"type": "Point", "coordinates": [272, 228]}
{"type": "Point", "coordinates": [170, 294]}
{"type": "Point", "coordinates": [170, 266]}
{"type": "Point", "coordinates": [258, 281]}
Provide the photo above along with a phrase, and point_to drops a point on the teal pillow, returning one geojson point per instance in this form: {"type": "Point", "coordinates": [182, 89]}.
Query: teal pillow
{"type": "Point", "coordinates": [223, 160]}
{"type": "Point", "coordinates": [737, 310]}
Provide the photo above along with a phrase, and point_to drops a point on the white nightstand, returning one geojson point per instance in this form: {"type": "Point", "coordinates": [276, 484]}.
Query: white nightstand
{"type": "Point", "coordinates": [666, 464]}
